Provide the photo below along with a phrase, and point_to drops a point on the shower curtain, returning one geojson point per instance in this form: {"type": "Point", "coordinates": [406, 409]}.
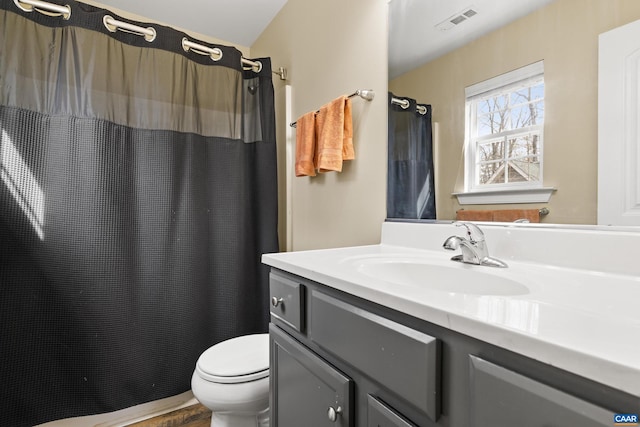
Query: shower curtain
{"type": "Point", "coordinates": [137, 194]}
{"type": "Point", "coordinates": [410, 174]}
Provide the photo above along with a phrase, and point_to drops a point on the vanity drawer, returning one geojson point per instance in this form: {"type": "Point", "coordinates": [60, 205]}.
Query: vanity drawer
{"type": "Point", "coordinates": [286, 301]}
{"type": "Point", "coordinates": [402, 360]}
{"type": "Point", "coordinates": [380, 415]}
{"type": "Point", "coordinates": [500, 396]}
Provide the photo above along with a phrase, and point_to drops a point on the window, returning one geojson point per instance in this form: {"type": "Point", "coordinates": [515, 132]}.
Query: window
{"type": "Point", "coordinates": [504, 134]}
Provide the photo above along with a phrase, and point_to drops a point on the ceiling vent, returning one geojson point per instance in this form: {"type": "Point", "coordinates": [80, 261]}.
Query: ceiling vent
{"type": "Point", "coordinates": [457, 19]}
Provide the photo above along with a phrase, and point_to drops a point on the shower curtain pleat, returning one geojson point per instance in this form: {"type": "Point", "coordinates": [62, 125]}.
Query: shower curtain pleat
{"type": "Point", "coordinates": [410, 170]}
{"type": "Point", "coordinates": [137, 194]}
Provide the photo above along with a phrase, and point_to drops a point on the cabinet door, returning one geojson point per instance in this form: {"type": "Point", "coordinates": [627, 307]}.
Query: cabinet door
{"type": "Point", "coordinates": [500, 397]}
{"type": "Point", "coordinates": [306, 390]}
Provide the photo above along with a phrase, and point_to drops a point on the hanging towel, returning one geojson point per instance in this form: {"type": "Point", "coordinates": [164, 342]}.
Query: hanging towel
{"type": "Point", "coordinates": [334, 129]}
{"type": "Point", "coordinates": [473, 215]}
{"type": "Point", "coordinates": [498, 215]}
{"type": "Point", "coordinates": [348, 153]}
{"type": "Point", "coordinates": [510, 215]}
{"type": "Point", "coordinates": [306, 145]}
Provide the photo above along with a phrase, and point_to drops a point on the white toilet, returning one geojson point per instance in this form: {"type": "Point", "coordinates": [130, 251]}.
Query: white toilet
{"type": "Point", "coordinates": [232, 379]}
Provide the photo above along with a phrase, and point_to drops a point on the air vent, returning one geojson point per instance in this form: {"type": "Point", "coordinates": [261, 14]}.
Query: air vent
{"type": "Point", "coordinates": [469, 13]}
{"type": "Point", "coordinates": [457, 19]}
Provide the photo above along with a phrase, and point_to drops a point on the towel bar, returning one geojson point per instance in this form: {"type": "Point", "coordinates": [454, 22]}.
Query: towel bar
{"type": "Point", "coordinates": [366, 94]}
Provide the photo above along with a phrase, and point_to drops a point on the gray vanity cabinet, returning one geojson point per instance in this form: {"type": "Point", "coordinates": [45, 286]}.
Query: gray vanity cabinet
{"type": "Point", "coordinates": [334, 364]}
{"type": "Point", "coordinates": [310, 392]}
{"type": "Point", "coordinates": [340, 360]}
{"type": "Point", "coordinates": [501, 397]}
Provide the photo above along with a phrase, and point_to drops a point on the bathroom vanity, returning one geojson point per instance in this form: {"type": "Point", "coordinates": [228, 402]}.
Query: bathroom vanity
{"type": "Point", "coordinates": [396, 334]}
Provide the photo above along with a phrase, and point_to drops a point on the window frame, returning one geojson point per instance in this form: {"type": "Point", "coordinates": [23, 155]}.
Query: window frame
{"type": "Point", "coordinates": [505, 83]}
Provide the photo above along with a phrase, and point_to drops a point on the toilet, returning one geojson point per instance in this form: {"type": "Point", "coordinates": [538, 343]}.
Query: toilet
{"type": "Point", "coordinates": [232, 380]}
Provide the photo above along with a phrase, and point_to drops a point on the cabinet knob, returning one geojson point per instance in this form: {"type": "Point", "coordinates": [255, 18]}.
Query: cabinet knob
{"type": "Point", "coordinates": [275, 301]}
{"type": "Point", "coordinates": [333, 413]}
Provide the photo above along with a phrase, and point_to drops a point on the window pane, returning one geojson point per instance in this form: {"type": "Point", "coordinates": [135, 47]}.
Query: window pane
{"type": "Point", "coordinates": [495, 103]}
{"type": "Point", "coordinates": [491, 173]}
{"type": "Point", "coordinates": [524, 145]}
{"type": "Point", "coordinates": [528, 94]}
{"type": "Point", "coordinates": [521, 116]}
{"type": "Point", "coordinates": [524, 170]}
{"type": "Point", "coordinates": [537, 91]}
{"type": "Point", "coordinates": [521, 96]}
{"type": "Point", "coordinates": [484, 107]}
{"type": "Point", "coordinates": [492, 123]}
{"type": "Point", "coordinates": [492, 150]}
{"type": "Point", "coordinates": [539, 112]}
{"type": "Point", "coordinates": [525, 115]}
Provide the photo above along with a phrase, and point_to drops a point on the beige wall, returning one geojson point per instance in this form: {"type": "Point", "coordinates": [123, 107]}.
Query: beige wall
{"type": "Point", "coordinates": [331, 48]}
{"type": "Point", "coordinates": [565, 35]}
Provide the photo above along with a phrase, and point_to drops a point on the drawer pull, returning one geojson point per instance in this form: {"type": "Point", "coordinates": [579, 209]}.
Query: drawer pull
{"type": "Point", "coordinates": [275, 301]}
{"type": "Point", "coordinates": [333, 413]}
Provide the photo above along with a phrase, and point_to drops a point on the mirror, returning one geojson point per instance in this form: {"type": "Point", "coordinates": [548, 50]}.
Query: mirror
{"type": "Point", "coordinates": [433, 60]}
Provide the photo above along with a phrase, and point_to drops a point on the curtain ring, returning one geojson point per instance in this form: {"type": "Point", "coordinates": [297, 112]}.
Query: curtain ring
{"type": "Point", "coordinates": [214, 53]}
{"type": "Point", "coordinates": [113, 26]}
{"type": "Point", "coordinates": [255, 68]}
{"type": "Point", "coordinates": [48, 9]}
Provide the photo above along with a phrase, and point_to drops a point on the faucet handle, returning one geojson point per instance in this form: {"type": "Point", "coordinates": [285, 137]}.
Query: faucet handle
{"type": "Point", "coordinates": [474, 232]}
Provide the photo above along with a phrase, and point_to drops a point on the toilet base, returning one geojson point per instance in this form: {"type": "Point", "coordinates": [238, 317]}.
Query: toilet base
{"type": "Point", "coordinates": [237, 420]}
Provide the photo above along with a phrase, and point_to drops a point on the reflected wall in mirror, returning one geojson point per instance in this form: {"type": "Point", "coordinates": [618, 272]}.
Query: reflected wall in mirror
{"type": "Point", "coordinates": [562, 33]}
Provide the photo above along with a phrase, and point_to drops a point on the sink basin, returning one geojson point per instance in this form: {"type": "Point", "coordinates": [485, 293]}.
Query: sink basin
{"type": "Point", "coordinates": [460, 279]}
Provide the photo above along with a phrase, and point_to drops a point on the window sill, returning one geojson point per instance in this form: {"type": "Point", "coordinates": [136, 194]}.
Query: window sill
{"type": "Point", "coordinates": [496, 197]}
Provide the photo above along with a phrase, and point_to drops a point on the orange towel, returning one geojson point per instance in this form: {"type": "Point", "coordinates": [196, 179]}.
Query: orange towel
{"type": "Point", "coordinates": [498, 215]}
{"type": "Point", "coordinates": [510, 215]}
{"type": "Point", "coordinates": [348, 152]}
{"type": "Point", "coordinates": [334, 130]}
{"type": "Point", "coordinates": [306, 145]}
{"type": "Point", "coordinates": [471, 215]}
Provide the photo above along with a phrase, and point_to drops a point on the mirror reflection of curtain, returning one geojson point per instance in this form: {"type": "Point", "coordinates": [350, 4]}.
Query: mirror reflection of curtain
{"type": "Point", "coordinates": [410, 176]}
{"type": "Point", "coordinates": [137, 194]}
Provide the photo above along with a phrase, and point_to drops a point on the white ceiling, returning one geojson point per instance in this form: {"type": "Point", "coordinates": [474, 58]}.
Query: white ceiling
{"type": "Point", "coordinates": [413, 41]}
{"type": "Point", "coordinates": [237, 21]}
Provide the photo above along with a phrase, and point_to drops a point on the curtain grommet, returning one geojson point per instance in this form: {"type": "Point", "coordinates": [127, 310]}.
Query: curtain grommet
{"type": "Point", "coordinates": [215, 53]}
{"type": "Point", "coordinates": [105, 20]}
{"type": "Point", "coordinates": [112, 25]}
{"type": "Point", "coordinates": [48, 9]}
{"type": "Point", "coordinates": [150, 37]}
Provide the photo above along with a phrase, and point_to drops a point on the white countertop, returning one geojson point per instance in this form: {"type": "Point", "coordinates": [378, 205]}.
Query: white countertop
{"type": "Point", "coordinates": [585, 321]}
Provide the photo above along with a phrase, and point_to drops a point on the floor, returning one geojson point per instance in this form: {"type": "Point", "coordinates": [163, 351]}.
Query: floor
{"type": "Point", "coordinates": [191, 416]}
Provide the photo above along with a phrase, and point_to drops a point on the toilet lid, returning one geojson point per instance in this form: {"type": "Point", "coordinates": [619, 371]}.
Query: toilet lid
{"type": "Point", "coordinates": [237, 360]}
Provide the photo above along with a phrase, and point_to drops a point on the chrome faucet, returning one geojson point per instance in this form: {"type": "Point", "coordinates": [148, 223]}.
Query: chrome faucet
{"type": "Point", "coordinates": [474, 248]}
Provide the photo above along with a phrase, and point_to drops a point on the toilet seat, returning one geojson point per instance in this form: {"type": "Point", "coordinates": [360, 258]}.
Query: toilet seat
{"type": "Point", "coordinates": [237, 360]}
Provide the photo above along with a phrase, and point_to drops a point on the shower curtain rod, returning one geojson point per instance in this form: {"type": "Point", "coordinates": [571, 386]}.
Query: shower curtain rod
{"type": "Point", "coordinates": [366, 94]}
{"type": "Point", "coordinates": [148, 33]}
{"type": "Point", "coordinates": [405, 104]}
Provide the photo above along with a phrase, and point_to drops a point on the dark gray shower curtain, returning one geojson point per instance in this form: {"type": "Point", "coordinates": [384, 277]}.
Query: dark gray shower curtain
{"type": "Point", "coordinates": [137, 194]}
{"type": "Point", "coordinates": [410, 172]}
